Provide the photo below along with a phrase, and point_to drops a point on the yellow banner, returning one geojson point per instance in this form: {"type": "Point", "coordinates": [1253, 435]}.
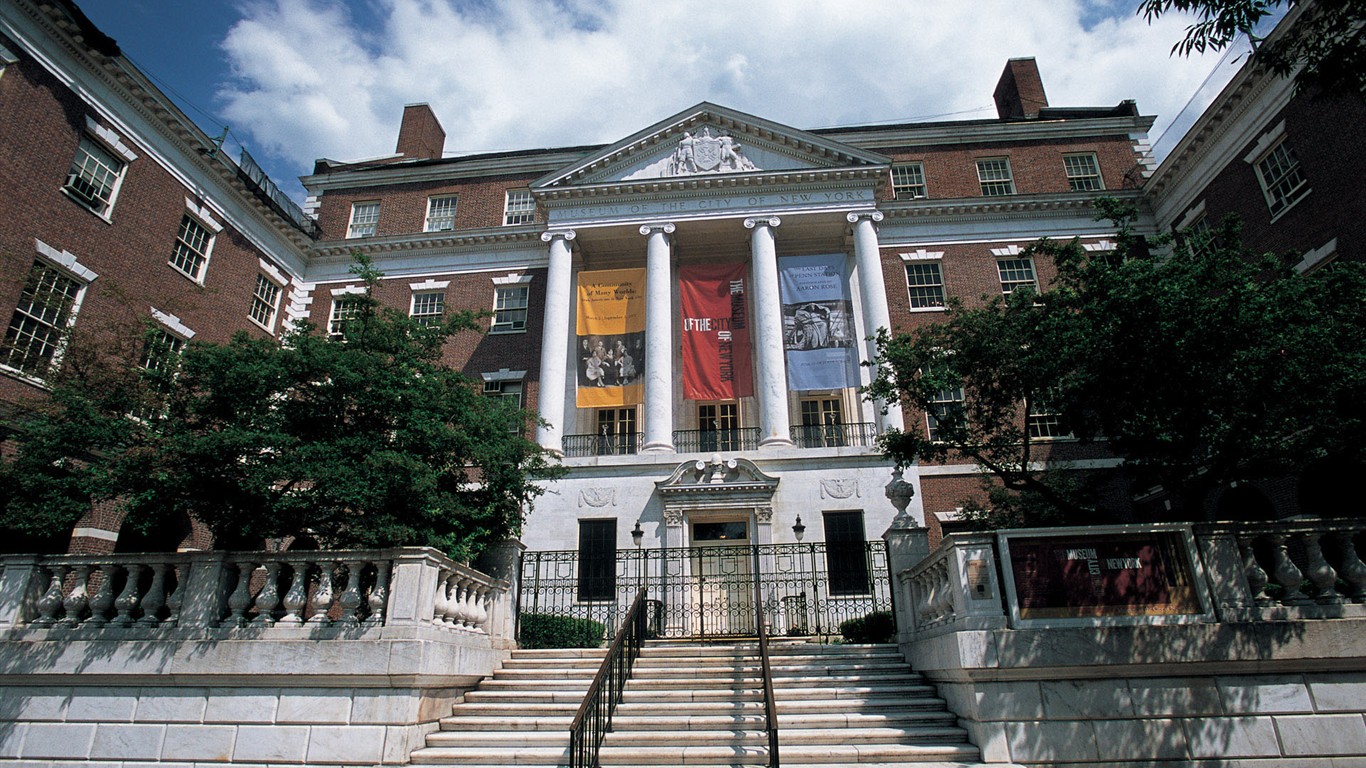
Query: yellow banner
{"type": "Point", "coordinates": [611, 338]}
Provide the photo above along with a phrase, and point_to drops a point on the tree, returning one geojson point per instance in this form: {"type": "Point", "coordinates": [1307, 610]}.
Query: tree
{"type": "Point", "coordinates": [359, 439]}
{"type": "Point", "coordinates": [1198, 362]}
{"type": "Point", "coordinates": [1326, 47]}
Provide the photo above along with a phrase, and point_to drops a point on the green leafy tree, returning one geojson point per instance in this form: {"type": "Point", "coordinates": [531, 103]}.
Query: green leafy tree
{"type": "Point", "coordinates": [1326, 48]}
{"type": "Point", "coordinates": [1198, 362]}
{"type": "Point", "coordinates": [359, 440]}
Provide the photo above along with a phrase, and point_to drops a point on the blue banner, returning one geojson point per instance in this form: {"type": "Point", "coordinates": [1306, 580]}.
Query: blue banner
{"type": "Point", "coordinates": [818, 322]}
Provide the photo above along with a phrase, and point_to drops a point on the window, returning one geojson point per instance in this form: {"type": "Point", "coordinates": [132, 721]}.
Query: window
{"type": "Point", "coordinates": [947, 404]}
{"type": "Point", "coordinates": [718, 426]}
{"type": "Point", "coordinates": [1046, 425]}
{"type": "Point", "coordinates": [1016, 273]}
{"type": "Point", "coordinates": [47, 307]}
{"type": "Point", "coordinates": [509, 389]}
{"type": "Point", "coordinates": [617, 431]}
{"type": "Point", "coordinates": [509, 309]}
{"type": "Point", "coordinates": [846, 553]}
{"type": "Point", "coordinates": [597, 559]}
{"type": "Point", "coordinates": [161, 357]}
{"type": "Point", "coordinates": [908, 181]}
{"type": "Point", "coordinates": [994, 175]}
{"type": "Point", "coordinates": [344, 309]}
{"type": "Point", "coordinates": [192, 246]}
{"type": "Point", "coordinates": [440, 214]}
{"type": "Point", "coordinates": [7, 58]}
{"type": "Point", "coordinates": [925, 282]}
{"type": "Point", "coordinates": [265, 302]}
{"type": "Point", "coordinates": [95, 176]}
{"type": "Point", "coordinates": [364, 219]}
{"type": "Point", "coordinates": [1083, 172]}
{"type": "Point", "coordinates": [822, 423]}
{"type": "Point", "coordinates": [1280, 177]}
{"type": "Point", "coordinates": [428, 307]}
{"type": "Point", "coordinates": [520, 208]}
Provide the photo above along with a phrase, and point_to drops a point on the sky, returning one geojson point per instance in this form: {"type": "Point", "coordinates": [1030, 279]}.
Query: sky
{"type": "Point", "coordinates": [297, 80]}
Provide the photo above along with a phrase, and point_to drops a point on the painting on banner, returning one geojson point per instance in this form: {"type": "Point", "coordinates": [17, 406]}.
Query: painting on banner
{"type": "Point", "coordinates": [611, 338]}
{"type": "Point", "coordinates": [715, 332]}
{"type": "Point", "coordinates": [819, 334]}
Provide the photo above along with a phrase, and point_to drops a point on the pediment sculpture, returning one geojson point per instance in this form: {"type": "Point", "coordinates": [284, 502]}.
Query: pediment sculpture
{"type": "Point", "coordinates": [707, 153]}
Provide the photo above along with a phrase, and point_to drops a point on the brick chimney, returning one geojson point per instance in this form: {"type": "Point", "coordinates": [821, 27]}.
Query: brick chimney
{"type": "Point", "coordinates": [1019, 92]}
{"type": "Point", "coordinates": [420, 137]}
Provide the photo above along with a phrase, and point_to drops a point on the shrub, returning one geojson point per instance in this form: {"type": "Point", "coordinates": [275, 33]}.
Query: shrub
{"type": "Point", "coordinates": [876, 627]}
{"type": "Point", "coordinates": [544, 630]}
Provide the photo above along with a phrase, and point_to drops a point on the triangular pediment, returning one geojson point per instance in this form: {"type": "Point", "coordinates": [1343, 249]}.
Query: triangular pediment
{"type": "Point", "coordinates": [709, 141]}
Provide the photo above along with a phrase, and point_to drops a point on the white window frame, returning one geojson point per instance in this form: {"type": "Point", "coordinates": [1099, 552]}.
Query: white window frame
{"type": "Point", "coordinates": [423, 299]}
{"type": "Point", "coordinates": [1082, 179]}
{"type": "Point", "coordinates": [989, 172]}
{"type": "Point", "coordinates": [1281, 178]}
{"type": "Point", "coordinates": [364, 221]}
{"type": "Point", "coordinates": [912, 184]}
{"type": "Point", "coordinates": [499, 307]}
{"type": "Point", "coordinates": [7, 58]}
{"type": "Point", "coordinates": [948, 396]}
{"type": "Point", "coordinates": [199, 260]}
{"type": "Point", "coordinates": [519, 207]}
{"type": "Point", "coordinates": [342, 299]}
{"type": "Point", "coordinates": [272, 305]}
{"type": "Point", "coordinates": [505, 383]}
{"type": "Point", "coordinates": [938, 265]}
{"type": "Point", "coordinates": [93, 152]}
{"type": "Point", "coordinates": [441, 221]}
{"type": "Point", "coordinates": [1008, 286]}
{"type": "Point", "coordinates": [66, 267]}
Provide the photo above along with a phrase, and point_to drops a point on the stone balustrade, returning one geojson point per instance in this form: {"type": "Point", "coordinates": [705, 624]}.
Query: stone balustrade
{"type": "Point", "coordinates": [261, 593]}
{"type": "Point", "coordinates": [1269, 571]}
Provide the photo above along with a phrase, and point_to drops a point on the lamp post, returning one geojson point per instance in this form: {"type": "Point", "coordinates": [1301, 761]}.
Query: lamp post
{"type": "Point", "coordinates": [799, 531]}
{"type": "Point", "coordinates": [638, 535]}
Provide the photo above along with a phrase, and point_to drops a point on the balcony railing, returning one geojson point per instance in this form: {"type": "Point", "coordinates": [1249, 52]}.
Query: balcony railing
{"type": "Point", "coordinates": [711, 440]}
{"type": "Point", "coordinates": [576, 446]}
{"type": "Point", "coordinates": [862, 434]}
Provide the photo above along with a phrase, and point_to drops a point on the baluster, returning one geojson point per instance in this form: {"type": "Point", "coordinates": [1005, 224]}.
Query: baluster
{"type": "Point", "coordinates": [350, 599]}
{"type": "Point", "coordinates": [50, 604]}
{"type": "Point", "coordinates": [240, 598]}
{"type": "Point", "coordinates": [78, 602]}
{"type": "Point", "coordinates": [269, 596]}
{"type": "Point", "coordinates": [946, 597]}
{"type": "Point", "coordinates": [1287, 574]}
{"type": "Point", "coordinates": [103, 600]}
{"type": "Point", "coordinates": [461, 613]}
{"type": "Point", "coordinates": [129, 599]}
{"type": "Point", "coordinates": [1353, 570]}
{"type": "Point", "coordinates": [297, 596]}
{"type": "Point", "coordinates": [177, 597]}
{"type": "Point", "coordinates": [379, 594]}
{"type": "Point", "coordinates": [442, 601]}
{"type": "Point", "coordinates": [155, 599]}
{"type": "Point", "coordinates": [478, 613]}
{"type": "Point", "coordinates": [1252, 571]}
{"type": "Point", "coordinates": [1321, 574]}
{"type": "Point", "coordinates": [321, 601]}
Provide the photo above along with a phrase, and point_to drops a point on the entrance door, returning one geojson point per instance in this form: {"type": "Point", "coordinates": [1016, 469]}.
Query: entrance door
{"type": "Point", "coordinates": [723, 562]}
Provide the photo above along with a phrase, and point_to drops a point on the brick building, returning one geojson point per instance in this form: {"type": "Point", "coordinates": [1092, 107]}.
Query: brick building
{"type": "Point", "coordinates": [118, 203]}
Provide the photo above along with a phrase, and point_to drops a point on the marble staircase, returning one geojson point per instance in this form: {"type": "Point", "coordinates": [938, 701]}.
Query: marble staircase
{"type": "Point", "coordinates": [702, 704]}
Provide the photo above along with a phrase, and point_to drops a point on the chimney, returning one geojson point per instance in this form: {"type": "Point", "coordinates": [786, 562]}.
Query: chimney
{"type": "Point", "coordinates": [420, 137]}
{"type": "Point", "coordinates": [1019, 93]}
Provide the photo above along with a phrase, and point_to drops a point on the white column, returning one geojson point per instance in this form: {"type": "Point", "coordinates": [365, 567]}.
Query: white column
{"type": "Point", "coordinates": [873, 294]}
{"type": "Point", "coordinates": [659, 339]}
{"type": "Point", "coordinates": [774, 425]}
{"type": "Point", "coordinates": [555, 342]}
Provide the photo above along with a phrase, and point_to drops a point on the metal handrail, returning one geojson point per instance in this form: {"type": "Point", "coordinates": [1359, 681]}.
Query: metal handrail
{"type": "Point", "coordinates": [770, 708]}
{"type": "Point", "coordinates": [860, 434]}
{"type": "Point", "coordinates": [612, 444]}
{"type": "Point", "coordinates": [713, 440]}
{"type": "Point", "coordinates": [594, 718]}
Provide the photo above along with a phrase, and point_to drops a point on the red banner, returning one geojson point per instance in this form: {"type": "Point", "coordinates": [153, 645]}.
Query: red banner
{"type": "Point", "coordinates": [716, 354]}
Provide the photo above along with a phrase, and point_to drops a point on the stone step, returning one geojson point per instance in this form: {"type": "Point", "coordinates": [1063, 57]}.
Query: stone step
{"type": "Point", "coordinates": [677, 667]}
{"type": "Point", "coordinates": [516, 708]}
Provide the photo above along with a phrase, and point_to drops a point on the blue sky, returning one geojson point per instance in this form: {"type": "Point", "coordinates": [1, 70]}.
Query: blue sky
{"type": "Point", "coordinates": [302, 79]}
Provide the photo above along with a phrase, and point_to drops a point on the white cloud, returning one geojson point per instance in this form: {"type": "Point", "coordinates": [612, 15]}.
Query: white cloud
{"type": "Point", "coordinates": [310, 79]}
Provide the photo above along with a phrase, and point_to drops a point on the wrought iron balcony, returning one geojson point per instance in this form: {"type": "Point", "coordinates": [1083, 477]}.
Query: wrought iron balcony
{"type": "Point", "coordinates": [712, 440]}
{"type": "Point", "coordinates": [862, 434]}
{"type": "Point", "coordinates": [602, 444]}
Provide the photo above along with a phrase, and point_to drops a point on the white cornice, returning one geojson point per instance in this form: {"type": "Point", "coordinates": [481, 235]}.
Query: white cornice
{"type": "Point", "coordinates": [489, 237]}
{"type": "Point", "coordinates": [755, 182]}
{"type": "Point", "coordinates": [938, 134]}
{"type": "Point", "coordinates": [445, 171]}
{"type": "Point", "coordinates": [1008, 205]}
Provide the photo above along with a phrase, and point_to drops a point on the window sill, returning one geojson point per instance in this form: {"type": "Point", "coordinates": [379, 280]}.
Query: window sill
{"type": "Point", "coordinates": [78, 201]}
{"type": "Point", "coordinates": [258, 324]}
{"type": "Point", "coordinates": [186, 275]}
{"type": "Point", "coordinates": [927, 309]}
{"type": "Point", "coordinates": [506, 331]}
{"type": "Point", "coordinates": [1290, 207]}
{"type": "Point", "coordinates": [15, 373]}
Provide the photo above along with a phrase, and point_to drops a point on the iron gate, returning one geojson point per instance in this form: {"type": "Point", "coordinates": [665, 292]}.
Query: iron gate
{"type": "Point", "coordinates": [807, 589]}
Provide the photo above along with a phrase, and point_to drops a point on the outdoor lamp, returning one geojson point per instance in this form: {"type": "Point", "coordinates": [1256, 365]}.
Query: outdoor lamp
{"type": "Point", "coordinates": [798, 529]}
{"type": "Point", "coordinates": [637, 534]}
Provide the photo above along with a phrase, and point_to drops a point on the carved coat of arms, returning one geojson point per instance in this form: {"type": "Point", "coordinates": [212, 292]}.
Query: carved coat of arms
{"type": "Point", "coordinates": [705, 153]}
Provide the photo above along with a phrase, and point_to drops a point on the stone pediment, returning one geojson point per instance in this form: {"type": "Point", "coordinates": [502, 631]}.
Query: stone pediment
{"type": "Point", "coordinates": [718, 483]}
{"type": "Point", "coordinates": [709, 141]}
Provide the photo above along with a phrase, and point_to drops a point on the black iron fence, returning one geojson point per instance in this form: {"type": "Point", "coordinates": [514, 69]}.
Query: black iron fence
{"type": "Point", "coordinates": [862, 434]}
{"type": "Point", "coordinates": [803, 589]}
{"type": "Point", "coordinates": [708, 440]}
{"type": "Point", "coordinates": [578, 446]}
